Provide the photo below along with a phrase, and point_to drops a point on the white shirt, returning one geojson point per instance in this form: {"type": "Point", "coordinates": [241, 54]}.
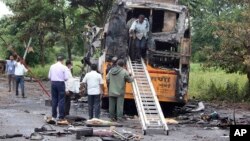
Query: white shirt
{"type": "Point", "coordinates": [20, 69]}
{"type": "Point", "coordinates": [58, 72]}
{"type": "Point", "coordinates": [72, 84]}
{"type": "Point", "coordinates": [10, 66]}
{"type": "Point", "coordinates": [93, 81]}
{"type": "Point", "coordinates": [141, 29]}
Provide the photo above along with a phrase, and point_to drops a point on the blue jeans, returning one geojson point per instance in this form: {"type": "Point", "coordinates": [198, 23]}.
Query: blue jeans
{"type": "Point", "coordinates": [58, 98]}
{"type": "Point", "coordinates": [20, 80]}
{"type": "Point", "coordinates": [140, 46]}
{"type": "Point", "coordinates": [94, 105]}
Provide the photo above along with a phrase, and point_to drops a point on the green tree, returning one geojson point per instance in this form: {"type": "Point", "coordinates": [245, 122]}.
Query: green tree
{"type": "Point", "coordinates": [99, 9]}
{"type": "Point", "coordinates": [73, 21]}
{"type": "Point", "coordinates": [34, 19]}
{"type": "Point", "coordinates": [234, 53]}
{"type": "Point", "coordinates": [49, 22]}
{"type": "Point", "coordinates": [203, 14]}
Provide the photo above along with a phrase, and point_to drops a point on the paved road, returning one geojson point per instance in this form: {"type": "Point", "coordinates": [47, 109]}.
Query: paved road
{"type": "Point", "coordinates": [18, 115]}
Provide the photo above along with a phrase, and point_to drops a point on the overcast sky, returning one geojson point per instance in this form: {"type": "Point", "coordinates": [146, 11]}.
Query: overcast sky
{"type": "Point", "coordinates": [4, 9]}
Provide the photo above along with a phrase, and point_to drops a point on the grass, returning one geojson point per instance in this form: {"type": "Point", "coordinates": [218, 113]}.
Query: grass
{"type": "Point", "coordinates": [204, 84]}
{"type": "Point", "coordinates": [215, 84]}
{"type": "Point", "coordinates": [77, 68]}
{"type": "Point", "coordinates": [42, 72]}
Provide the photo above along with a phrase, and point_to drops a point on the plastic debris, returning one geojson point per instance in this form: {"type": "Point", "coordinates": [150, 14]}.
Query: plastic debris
{"type": "Point", "coordinates": [101, 123]}
{"type": "Point", "coordinates": [200, 107]}
{"type": "Point", "coordinates": [171, 121]}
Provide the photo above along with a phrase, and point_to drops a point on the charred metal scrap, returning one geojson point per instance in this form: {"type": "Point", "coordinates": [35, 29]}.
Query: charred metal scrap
{"type": "Point", "coordinates": [169, 37]}
{"type": "Point", "coordinates": [116, 32]}
{"type": "Point", "coordinates": [93, 37]}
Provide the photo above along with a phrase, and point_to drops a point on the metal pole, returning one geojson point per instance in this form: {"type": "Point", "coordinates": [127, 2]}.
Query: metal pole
{"type": "Point", "coordinates": [27, 48]}
{"type": "Point", "coordinates": [32, 75]}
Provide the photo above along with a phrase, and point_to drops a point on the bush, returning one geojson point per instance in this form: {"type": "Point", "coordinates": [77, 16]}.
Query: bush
{"type": "Point", "coordinates": [215, 84]}
{"type": "Point", "coordinates": [77, 68]}
{"type": "Point", "coordinates": [245, 92]}
{"type": "Point", "coordinates": [221, 92]}
{"type": "Point", "coordinates": [42, 72]}
{"type": "Point", "coordinates": [199, 56]}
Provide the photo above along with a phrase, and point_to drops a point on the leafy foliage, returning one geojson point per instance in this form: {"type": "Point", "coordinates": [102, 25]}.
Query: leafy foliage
{"type": "Point", "coordinates": [203, 16]}
{"type": "Point", "coordinates": [220, 32]}
{"type": "Point", "coordinates": [50, 23]}
{"type": "Point", "coordinates": [215, 84]}
{"type": "Point", "coordinates": [234, 53]}
{"type": "Point", "coordinates": [99, 9]}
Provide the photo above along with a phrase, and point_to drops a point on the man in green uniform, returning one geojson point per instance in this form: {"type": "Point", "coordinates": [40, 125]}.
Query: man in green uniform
{"type": "Point", "coordinates": [117, 78]}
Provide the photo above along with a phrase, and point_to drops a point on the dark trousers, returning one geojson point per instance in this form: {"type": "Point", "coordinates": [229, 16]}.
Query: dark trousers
{"type": "Point", "coordinates": [116, 105]}
{"type": "Point", "coordinates": [11, 79]}
{"type": "Point", "coordinates": [58, 98]}
{"type": "Point", "coordinates": [68, 102]}
{"type": "Point", "coordinates": [20, 80]}
{"type": "Point", "coordinates": [94, 106]}
{"type": "Point", "coordinates": [140, 48]}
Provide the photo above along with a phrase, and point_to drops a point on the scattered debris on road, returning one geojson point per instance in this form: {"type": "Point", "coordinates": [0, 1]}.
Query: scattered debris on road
{"type": "Point", "coordinates": [8, 136]}
{"type": "Point", "coordinates": [101, 123]}
{"type": "Point", "coordinates": [171, 121]}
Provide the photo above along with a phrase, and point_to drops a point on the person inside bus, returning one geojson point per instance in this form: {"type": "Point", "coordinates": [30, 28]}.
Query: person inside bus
{"type": "Point", "coordinates": [140, 28]}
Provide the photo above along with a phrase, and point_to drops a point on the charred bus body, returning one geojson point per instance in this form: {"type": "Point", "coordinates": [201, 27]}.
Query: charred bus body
{"type": "Point", "coordinates": [168, 45]}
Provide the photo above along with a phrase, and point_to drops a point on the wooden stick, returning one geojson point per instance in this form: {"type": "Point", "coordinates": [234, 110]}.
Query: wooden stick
{"type": "Point", "coordinates": [27, 48]}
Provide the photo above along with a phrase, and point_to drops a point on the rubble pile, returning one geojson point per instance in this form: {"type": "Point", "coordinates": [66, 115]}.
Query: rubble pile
{"type": "Point", "coordinates": [197, 114]}
{"type": "Point", "coordinates": [88, 130]}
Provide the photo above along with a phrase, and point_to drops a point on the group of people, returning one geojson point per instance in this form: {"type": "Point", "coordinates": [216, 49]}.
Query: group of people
{"type": "Point", "coordinates": [61, 86]}
{"type": "Point", "coordinates": [15, 71]}
{"type": "Point", "coordinates": [60, 75]}
{"type": "Point", "coordinates": [117, 77]}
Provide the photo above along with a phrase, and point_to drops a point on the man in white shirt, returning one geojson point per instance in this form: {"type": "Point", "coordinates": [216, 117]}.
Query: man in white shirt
{"type": "Point", "coordinates": [72, 87]}
{"type": "Point", "coordinates": [68, 93]}
{"type": "Point", "coordinates": [141, 28]}
{"type": "Point", "coordinates": [20, 70]}
{"type": "Point", "coordinates": [94, 84]}
{"type": "Point", "coordinates": [58, 74]}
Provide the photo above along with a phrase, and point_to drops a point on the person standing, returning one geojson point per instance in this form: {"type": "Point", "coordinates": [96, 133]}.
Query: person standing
{"type": "Point", "coordinates": [94, 84]}
{"type": "Point", "coordinates": [117, 78]}
{"type": "Point", "coordinates": [114, 60]}
{"type": "Point", "coordinates": [20, 71]}
{"type": "Point", "coordinates": [10, 71]}
{"type": "Point", "coordinates": [141, 28]}
{"type": "Point", "coordinates": [70, 88]}
{"type": "Point", "coordinates": [58, 74]}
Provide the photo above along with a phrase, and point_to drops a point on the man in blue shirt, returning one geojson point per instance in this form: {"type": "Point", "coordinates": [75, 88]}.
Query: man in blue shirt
{"type": "Point", "coordinates": [10, 71]}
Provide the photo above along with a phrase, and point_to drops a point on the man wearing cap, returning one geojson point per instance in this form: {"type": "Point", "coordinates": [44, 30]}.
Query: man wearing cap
{"type": "Point", "coordinates": [58, 74]}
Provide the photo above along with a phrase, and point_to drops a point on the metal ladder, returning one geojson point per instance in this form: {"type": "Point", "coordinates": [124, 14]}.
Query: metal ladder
{"type": "Point", "coordinates": [147, 103]}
